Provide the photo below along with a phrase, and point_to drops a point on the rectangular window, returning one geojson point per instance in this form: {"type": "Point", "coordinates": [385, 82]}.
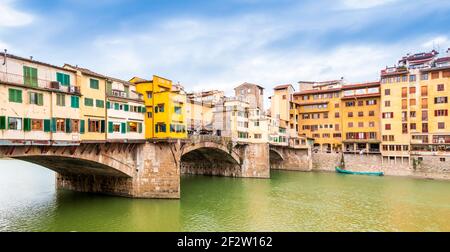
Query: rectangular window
{"type": "Point", "coordinates": [37, 125]}
{"type": "Point", "coordinates": [405, 128]}
{"type": "Point", "coordinates": [424, 115]}
{"type": "Point", "coordinates": [424, 127]}
{"type": "Point", "coordinates": [75, 102]}
{"type": "Point", "coordinates": [404, 92]}
{"type": "Point", "coordinates": [441, 112]}
{"type": "Point", "coordinates": [435, 75]}
{"type": "Point", "coordinates": [424, 103]}
{"type": "Point", "coordinates": [387, 103]}
{"type": "Point", "coordinates": [336, 115]}
{"type": "Point", "coordinates": [149, 94]}
{"type": "Point", "coordinates": [412, 78]}
{"type": "Point", "coordinates": [60, 125]}
{"type": "Point", "coordinates": [360, 114]}
{"type": "Point", "coordinates": [441, 125]}
{"type": "Point", "coordinates": [94, 83]}
{"type": "Point", "coordinates": [177, 110]}
{"type": "Point", "coordinates": [75, 125]}
{"type": "Point", "coordinates": [440, 87]}
{"type": "Point", "coordinates": [360, 124]}
{"type": "Point", "coordinates": [2, 122]}
{"type": "Point", "coordinates": [100, 104]}
{"type": "Point", "coordinates": [413, 126]}
{"type": "Point", "coordinates": [15, 95]}
{"type": "Point", "coordinates": [14, 123]}
{"type": "Point", "coordinates": [424, 76]}
{"type": "Point", "coordinates": [30, 76]}
{"type": "Point", "coordinates": [387, 92]}
{"type": "Point", "coordinates": [88, 102]}
{"type": "Point", "coordinates": [387, 127]}
{"type": "Point", "coordinates": [36, 98]}
{"type": "Point", "coordinates": [61, 100]}
{"type": "Point", "coordinates": [404, 104]}
{"type": "Point", "coordinates": [371, 113]}
{"type": "Point", "coordinates": [64, 79]}
{"type": "Point", "coordinates": [440, 100]}
{"type": "Point", "coordinates": [350, 114]}
{"type": "Point", "coordinates": [132, 127]}
{"type": "Point", "coordinates": [412, 102]}
{"type": "Point", "coordinates": [424, 90]}
{"type": "Point", "coordinates": [96, 126]}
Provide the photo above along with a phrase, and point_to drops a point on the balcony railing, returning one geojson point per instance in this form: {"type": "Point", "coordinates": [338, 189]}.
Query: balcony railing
{"type": "Point", "coordinates": [39, 83]}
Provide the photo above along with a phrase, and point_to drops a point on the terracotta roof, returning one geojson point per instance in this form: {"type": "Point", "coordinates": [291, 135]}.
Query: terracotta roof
{"type": "Point", "coordinates": [282, 86]}
{"type": "Point", "coordinates": [86, 71]}
{"type": "Point", "coordinates": [361, 96]}
{"type": "Point", "coordinates": [35, 62]}
{"type": "Point", "coordinates": [361, 85]}
{"type": "Point", "coordinates": [445, 59]}
{"type": "Point", "coordinates": [249, 84]}
{"type": "Point", "coordinates": [317, 91]}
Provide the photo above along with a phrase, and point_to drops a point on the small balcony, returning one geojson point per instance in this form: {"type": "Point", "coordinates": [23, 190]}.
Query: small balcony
{"type": "Point", "coordinates": [43, 84]}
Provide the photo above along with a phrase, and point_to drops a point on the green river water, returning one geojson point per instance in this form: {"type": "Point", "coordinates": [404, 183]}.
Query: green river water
{"type": "Point", "coordinates": [289, 201]}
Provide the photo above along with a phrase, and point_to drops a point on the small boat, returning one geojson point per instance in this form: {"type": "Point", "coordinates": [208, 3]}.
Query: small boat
{"type": "Point", "coordinates": [339, 170]}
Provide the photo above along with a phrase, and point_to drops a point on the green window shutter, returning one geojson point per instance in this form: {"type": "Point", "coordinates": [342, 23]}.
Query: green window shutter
{"type": "Point", "coordinates": [34, 77]}
{"type": "Point", "coordinates": [123, 128]}
{"type": "Point", "coordinates": [108, 105]}
{"type": "Point", "coordinates": [82, 126]}
{"type": "Point", "coordinates": [53, 125]}
{"type": "Point", "coordinates": [110, 127]}
{"type": "Point", "coordinates": [26, 75]}
{"type": "Point", "coordinates": [139, 109]}
{"type": "Point", "coordinates": [109, 88]}
{"type": "Point", "coordinates": [75, 102]}
{"type": "Point", "coordinates": [88, 102]}
{"type": "Point", "coordinates": [2, 122]}
{"type": "Point", "coordinates": [94, 84]}
{"type": "Point", "coordinates": [143, 110]}
{"type": "Point", "coordinates": [99, 104]}
{"type": "Point", "coordinates": [140, 127]}
{"type": "Point", "coordinates": [102, 126]}
{"type": "Point", "coordinates": [68, 126]}
{"type": "Point", "coordinates": [60, 78]}
{"type": "Point", "coordinates": [12, 95]}
{"type": "Point", "coordinates": [67, 79]}
{"type": "Point", "coordinates": [116, 106]}
{"type": "Point", "coordinates": [27, 124]}
{"type": "Point", "coordinates": [127, 107]}
{"type": "Point", "coordinates": [40, 100]}
{"type": "Point", "coordinates": [47, 123]}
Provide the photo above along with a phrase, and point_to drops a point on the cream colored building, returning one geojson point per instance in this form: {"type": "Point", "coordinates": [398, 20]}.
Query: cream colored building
{"type": "Point", "coordinates": [125, 111]}
{"type": "Point", "coordinates": [39, 103]}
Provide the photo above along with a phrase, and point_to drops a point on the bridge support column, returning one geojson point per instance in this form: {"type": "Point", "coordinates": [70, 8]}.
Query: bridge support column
{"type": "Point", "coordinates": [158, 173]}
{"type": "Point", "coordinates": [255, 161]}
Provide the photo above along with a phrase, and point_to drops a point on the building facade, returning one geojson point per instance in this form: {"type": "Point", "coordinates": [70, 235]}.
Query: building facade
{"type": "Point", "coordinates": [92, 104]}
{"type": "Point", "coordinates": [164, 108]}
{"type": "Point", "coordinates": [39, 103]}
{"type": "Point", "coordinates": [125, 112]}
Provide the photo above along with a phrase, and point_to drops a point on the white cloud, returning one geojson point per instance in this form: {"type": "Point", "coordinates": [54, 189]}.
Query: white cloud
{"type": "Point", "coordinates": [11, 17]}
{"type": "Point", "coordinates": [365, 4]}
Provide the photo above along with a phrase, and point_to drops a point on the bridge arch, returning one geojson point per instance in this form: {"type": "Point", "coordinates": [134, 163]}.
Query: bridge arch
{"type": "Point", "coordinates": [209, 158]}
{"type": "Point", "coordinates": [276, 158]}
{"type": "Point", "coordinates": [76, 160]}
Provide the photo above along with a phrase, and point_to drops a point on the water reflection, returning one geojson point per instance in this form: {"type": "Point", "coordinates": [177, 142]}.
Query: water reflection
{"type": "Point", "coordinates": [290, 201]}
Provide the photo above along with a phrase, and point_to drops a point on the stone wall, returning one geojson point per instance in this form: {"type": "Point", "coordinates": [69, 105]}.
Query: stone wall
{"type": "Point", "coordinates": [255, 160]}
{"type": "Point", "coordinates": [432, 166]}
{"type": "Point", "coordinates": [290, 159]}
{"type": "Point", "coordinates": [118, 186]}
{"type": "Point", "coordinates": [158, 173]}
{"type": "Point", "coordinates": [322, 161]}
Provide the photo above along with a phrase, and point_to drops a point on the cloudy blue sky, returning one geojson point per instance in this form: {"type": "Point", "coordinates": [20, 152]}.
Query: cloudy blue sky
{"type": "Point", "coordinates": [219, 44]}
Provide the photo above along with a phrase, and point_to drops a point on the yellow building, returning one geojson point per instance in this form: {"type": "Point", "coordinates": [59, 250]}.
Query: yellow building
{"type": "Point", "coordinates": [360, 112]}
{"type": "Point", "coordinates": [165, 108]}
{"type": "Point", "coordinates": [415, 107]}
{"type": "Point", "coordinates": [92, 105]}
{"type": "Point", "coordinates": [320, 114]}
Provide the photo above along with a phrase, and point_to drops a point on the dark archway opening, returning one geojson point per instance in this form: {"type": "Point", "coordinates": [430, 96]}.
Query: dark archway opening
{"type": "Point", "coordinates": [276, 160]}
{"type": "Point", "coordinates": [210, 161]}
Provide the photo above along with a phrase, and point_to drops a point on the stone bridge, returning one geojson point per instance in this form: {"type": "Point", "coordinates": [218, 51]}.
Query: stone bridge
{"type": "Point", "coordinates": [152, 169]}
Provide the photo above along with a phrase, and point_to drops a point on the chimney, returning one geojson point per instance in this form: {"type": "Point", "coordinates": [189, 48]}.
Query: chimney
{"type": "Point", "coordinates": [31, 57]}
{"type": "Point", "coordinates": [4, 59]}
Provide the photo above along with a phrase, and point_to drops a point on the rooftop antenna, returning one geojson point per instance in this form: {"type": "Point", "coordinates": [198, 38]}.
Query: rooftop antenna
{"type": "Point", "coordinates": [4, 59]}
{"type": "Point", "coordinates": [31, 57]}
